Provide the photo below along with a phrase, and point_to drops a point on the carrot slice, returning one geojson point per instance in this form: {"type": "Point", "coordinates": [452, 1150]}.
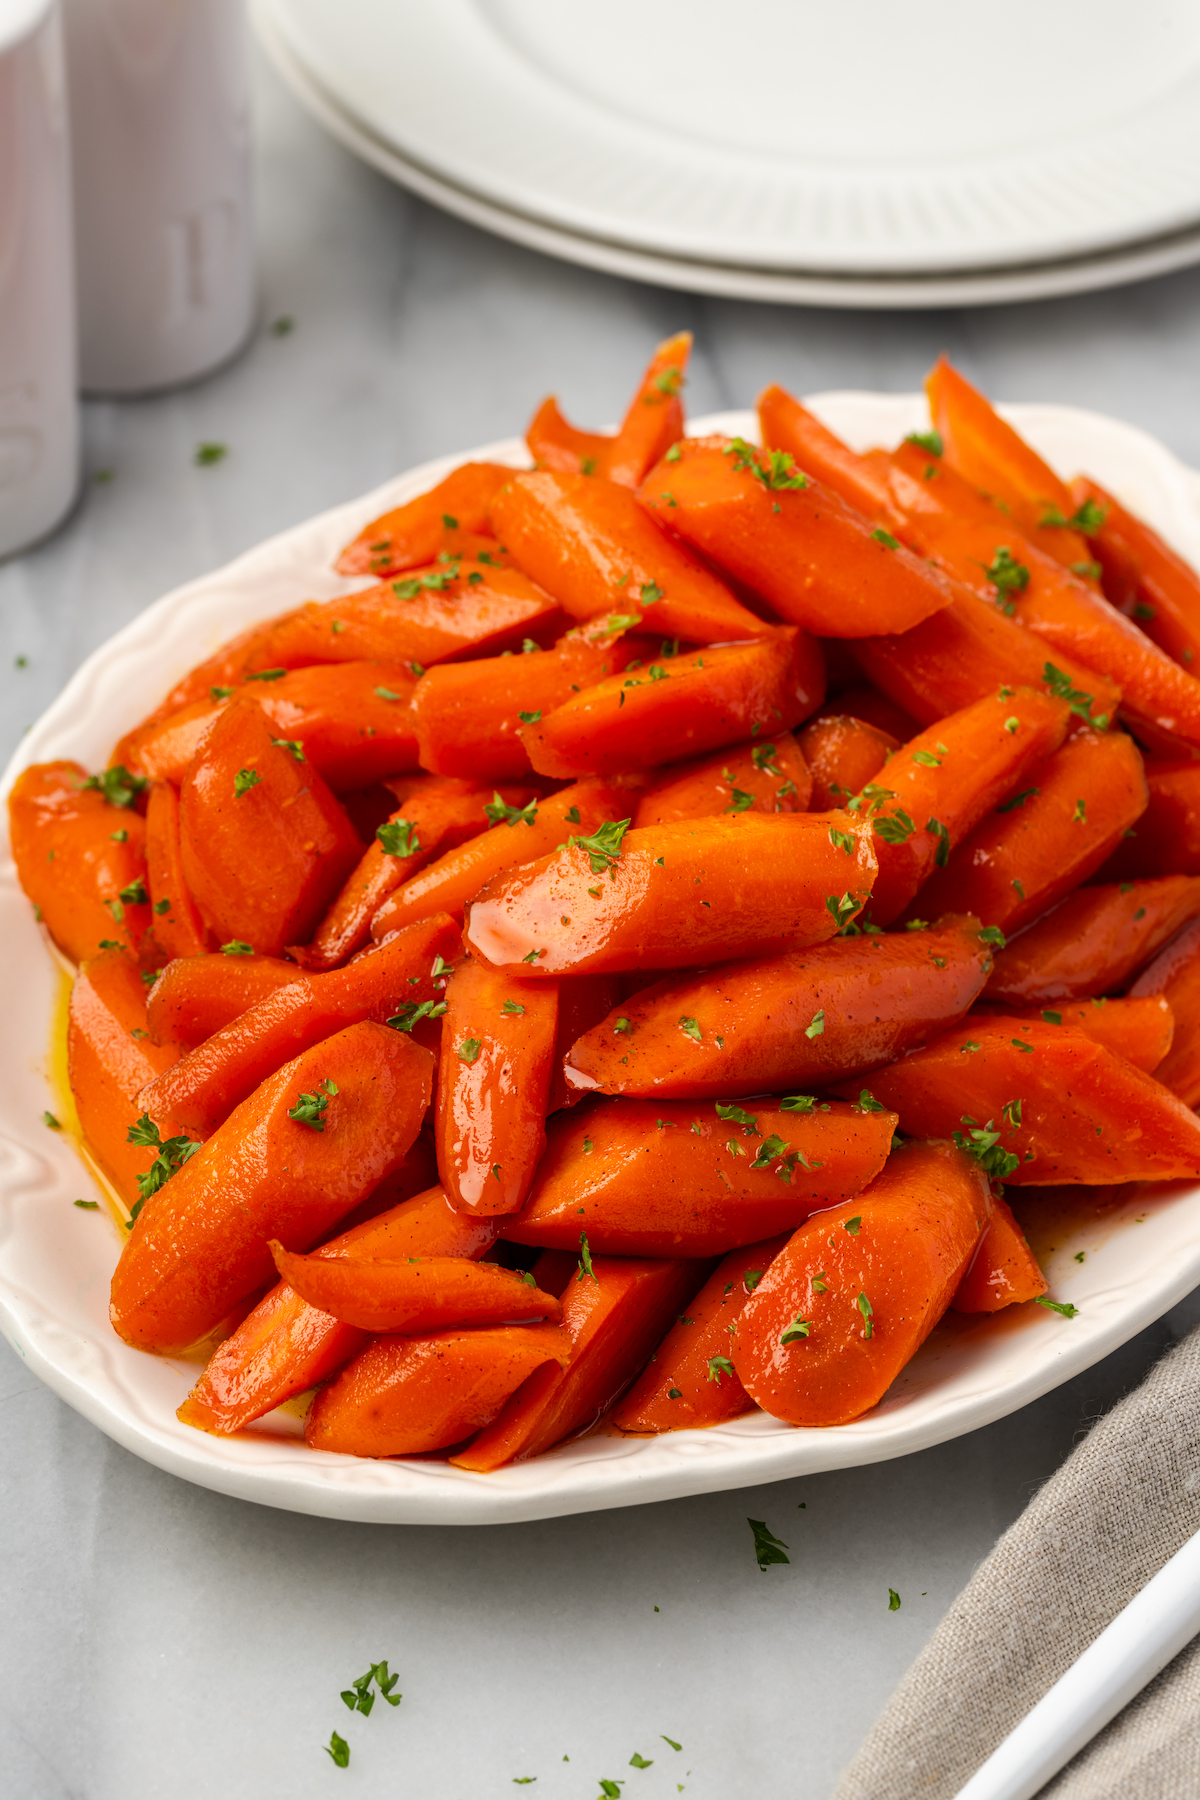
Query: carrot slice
{"type": "Point", "coordinates": [1141, 1029]}
{"type": "Point", "coordinates": [178, 929]}
{"type": "Point", "coordinates": [80, 859]}
{"type": "Point", "coordinates": [687, 703]}
{"type": "Point", "coordinates": [690, 1379]}
{"type": "Point", "coordinates": [1003, 1271]}
{"type": "Point", "coordinates": [856, 1292]}
{"type": "Point", "coordinates": [1166, 840]}
{"type": "Point", "coordinates": [614, 1316]}
{"type": "Point", "coordinates": [110, 1058]}
{"type": "Point", "coordinates": [554, 443]}
{"type": "Point", "coordinates": [1142, 574]}
{"type": "Point", "coordinates": [1048, 837]}
{"type": "Point", "coordinates": [265, 846]}
{"type": "Point", "coordinates": [417, 1295]}
{"type": "Point", "coordinates": [1094, 941]}
{"type": "Point", "coordinates": [789, 426]}
{"type": "Point", "coordinates": [669, 1178]}
{"type": "Point", "coordinates": [596, 550]}
{"type": "Point", "coordinates": [766, 776]}
{"type": "Point", "coordinates": [1066, 1107]}
{"type": "Point", "coordinates": [583, 1000]}
{"type": "Point", "coordinates": [668, 896]}
{"type": "Point", "coordinates": [843, 753]}
{"type": "Point", "coordinates": [1175, 974]}
{"type": "Point", "coordinates": [285, 1345]}
{"type": "Point", "coordinates": [815, 560]}
{"type": "Point", "coordinates": [498, 1042]}
{"type": "Point", "coordinates": [797, 1020]}
{"type": "Point", "coordinates": [194, 996]}
{"type": "Point", "coordinates": [403, 1396]}
{"type": "Point", "coordinates": [292, 1160]}
{"type": "Point", "coordinates": [655, 417]}
{"type": "Point", "coordinates": [414, 533]}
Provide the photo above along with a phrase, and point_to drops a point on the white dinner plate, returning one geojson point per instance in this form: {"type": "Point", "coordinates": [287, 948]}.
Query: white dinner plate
{"type": "Point", "coordinates": [781, 137]}
{"type": "Point", "coordinates": [56, 1261]}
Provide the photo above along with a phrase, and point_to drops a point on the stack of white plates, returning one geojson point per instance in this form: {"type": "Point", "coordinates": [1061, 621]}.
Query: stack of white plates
{"type": "Point", "coordinates": [867, 153]}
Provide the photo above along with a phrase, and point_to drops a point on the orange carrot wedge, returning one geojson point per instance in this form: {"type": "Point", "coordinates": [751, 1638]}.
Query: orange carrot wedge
{"type": "Point", "coordinates": [292, 1160]}
{"type": "Point", "coordinates": [417, 1295]}
{"type": "Point", "coordinates": [1064, 1106]}
{"type": "Point", "coordinates": [1141, 1030]}
{"type": "Point", "coordinates": [1142, 574]}
{"type": "Point", "coordinates": [178, 929]}
{"type": "Point", "coordinates": [265, 846]}
{"type": "Point", "coordinates": [767, 776]}
{"type": "Point", "coordinates": [1166, 839]}
{"type": "Point", "coordinates": [1175, 975]}
{"type": "Point", "coordinates": [614, 1315]}
{"type": "Point", "coordinates": [194, 996]}
{"type": "Point", "coordinates": [402, 1396]}
{"type": "Point", "coordinates": [596, 550]}
{"type": "Point", "coordinates": [80, 859]}
{"type": "Point", "coordinates": [654, 420]}
{"type": "Point", "coordinates": [1003, 1271]}
{"type": "Point", "coordinates": [583, 1000]}
{"type": "Point", "coordinates": [1094, 941]}
{"type": "Point", "coordinates": [394, 978]}
{"type": "Point", "coordinates": [689, 704]}
{"type": "Point", "coordinates": [285, 1345]}
{"type": "Point", "coordinates": [497, 1063]}
{"type": "Point", "coordinates": [1047, 837]}
{"type": "Point", "coordinates": [415, 532]}
{"type": "Point", "coordinates": [110, 1058]}
{"type": "Point", "coordinates": [519, 836]}
{"type": "Point", "coordinates": [843, 753]}
{"type": "Point", "coordinates": [937, 787]}
{"type": "Point", "coordinates": [797, 1020]}
{"type": "Point", "coordinates": [669, 1178]}
{"type": "Point", "coordinates": [787, 425]}
{"type": "Point", "coordinates": [815, 560]}
{"type": "Point", "coordinates": [554, 443]}
{"type": "Point", "coordinates": [668, 896]}
{"type": "Point", "coordinates": [872, 707]}
{"type": "Point", "coordinates": [856, 1292]}
{"type": "Point", "coordinates": [690, 1379]}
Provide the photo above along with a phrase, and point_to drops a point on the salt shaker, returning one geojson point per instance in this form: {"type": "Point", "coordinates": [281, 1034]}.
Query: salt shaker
{"type": "Point", "coordinates": [160, 126]}
{"type": "Point", "coordinates": [39, 414]}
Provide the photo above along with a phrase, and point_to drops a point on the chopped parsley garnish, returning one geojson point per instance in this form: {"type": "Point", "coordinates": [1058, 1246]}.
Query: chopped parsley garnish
{"type": "Point", "coordinates": [929, 441]}
{"type": "Point", "coordinates": [398, 837]}
{"type": "Point", "coordinates": [1086, 519]}
{"type": "Point", "coordinates": [894, 828]}
{"type": "Point", "coordinates": [1079, 702]}
{"type": "Point", "coordinates": [737, 1115]}
{"type": "Point", "coordinates": [414, 584]}
{"type": "Point", "coordinates": [603, 847]}
{"type": "Point", "coordinates": [339, 1749]}
{"type": "Point", "coordinates": [135, 894]}
{"type": "Point", "coordinates": [691, 1028]}
{"type": "Point", "coordinates": [641, 1762]}
{"type": "Point", "coordinates": [49, 1119]}
{"type": "Point", "coordinates": [793, 1333]}
{"type": "Point", "coordinates": [983, 1143]}
{"type": "Point", "coordinates": [893, 1600]}
{"type": "Point", "coordinates": [1019, 799]}
{"type": "Point", "coordinates": [885, 538]}
{"type": "Point", "coordinates": [512, 1006]}
{"type": "Point", "coordinates": [671, 1741]}
{"type": "Point", "coordinates": [162, 906]}
{"type": "Point", "coordinates": [928, 760]}
{"type": "Point", "coordinates": [1052, 1018]}
{"type": "Point", "coordinates": [776, 469]}
{"type": "Point", "coordinates": [529, 718]}
{"type": "Point", "coordinates": [1006, 574]}
{"type": "Point", "coordinates": [1062, 1307]}
{"type": "Point", "coordinates": [817, 1027]}
{"type": "Point", "coordinates": [936, 829]}
{"type": "Point", "coordinates": [293, 746]}
{"type": "Point", "coordinates": [768, 1548]}
{"type": "Point", "coordinates": [798, 1103]}
{"type": "Point", "coordinates": [1079, 816]}
{"type": "Point", "coordinates": [741, 802]}
{"type": "Point", "coordinates": [172, 1154]}
{"type": "Point", "coordinates": [854, 1225]}
{"type": "Point", "coordinates": [310, 1108]}
{"type": "Point", "coordinates": [468, 1051]}
{"type": "Point", "coordinates": [411, 1015]}
{"type": "Point", "coordinates": [87, 1205]}
{"type": "Point", "coordinates": [718, 1366]}
{"type": "Point", "coordinates": [118, 786]}
{"type": "Point", "coordinates": [623, 1024]}
{"type": "Point", "coordinates": [359, 1698]}
{"type": "Point", "coordinates": [1012, 1113]}
{"type": "Point", "coordinates": [501, 814]}
{"type": "Point", "coordinates": [208, 454]}
{"type": "Point", "coordinates": [219, 693]}
{"type": "Point", "coordinates": [842, 911]}
{"type": "Point", "coordinates": [268, 675]}
{"type": "Point", "coordinates": [235, 947]}
{"type": "Point", "coordinates": [585, 1269]}
{"type": "Point", "coordinates": [243, 781]}
{"type": "Point", "coordinates": [992, 934]}
{"type": "Point", "coordinates": [842, 840]}
{"type": "Point", "coordinates": [865, 1308]}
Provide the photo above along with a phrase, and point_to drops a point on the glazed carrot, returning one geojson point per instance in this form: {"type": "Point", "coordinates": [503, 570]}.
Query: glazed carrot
{"type": "Point", "coordinates": [871, 706]}
{"type": "Point", "coordinates": [1061, 1103]}
{"type": "Point", "coordinates": [414, 533]}
{"type": "Point", "coordinates": [843, 753]}
{"type": "Point", "coordinates": [1046, 838]}
{"type": "Point", "coordinates": [1094, 941]}
{"type": "Point", "coordinates": [1175, 975]}
{"type": "Point", "coordinates": [797, 1020]}
{"type": "Point", "coordinates": [1141, 1030]}
{"type": "Point", "coordinates": [265, 846]}
{"type": "Point", "coordinates": [556, 444]}
{"type": "Point", "coordinates": [668, 896]}
{"type": "Point", "coordinates": [450, 882]}
{"type": "Point", "coordinates": [614, 1317]}
{"type": "Point", "coordinates": [787, 425]}
{"type": "Point", "coordinates": [414, 1295]}
{"type": "Point", "coordinates": [402, 1396]}
{"type": "Point", "coordinates": [1166, 839]}
{"type": "Point", "coordinates": [196, 995]}
{"type": "Point", "coordinates": [596, 550]}
{"type": "Point", "coordinates": [993, 456]}
{"type": "Point", "coordinates": [690, 1379]}
{"type": "Point", "coordinates": [858, 1289]}
{"type": "Point", "coordinates": [468, 715]}
{"type": "Point", "coordinates": [815, 560]}
{"type": "Point", "coordinates": [285, 1346]}
{"type": "Point", "coordinates": [178, 929]}
{"type": "Point", "coordinates": [701, 701]}
{"type": "Point", "coordinates": [351, 719]}
{"type": "Point", "coordinates": [1142, 574]}
{"type": "Point", "coordinates": [675, 1178]}
{"type": "Point", "coordinates": [655, 417]}
{"type": "Point", "coordinates": [937, 787]}
{"type": "Point", "coordinates": [497, 1063]}
{"type": "Point", "coordinates": [80, 859]}
{"type": "Point", "coordinates": [291, 1161]}
{"type": "Point", "coordinates": [583, 1001]}
{"type": "Point", "coordinates": [766, 776]}
{"type": "Point", "coordinates": [110, 1057]}
{"type": "Point", "coordinates": [1003, 1271]}
{"type": "Point", "coordinates": [962, 653]}
{"type": "Point", "coordinates": [394, 978]}
{"type": "Point", "coordinates": [437, 814]}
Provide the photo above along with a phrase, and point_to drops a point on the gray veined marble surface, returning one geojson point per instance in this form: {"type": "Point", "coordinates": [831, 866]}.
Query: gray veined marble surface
{"type": "Point", "coordinates": [160, 1641]}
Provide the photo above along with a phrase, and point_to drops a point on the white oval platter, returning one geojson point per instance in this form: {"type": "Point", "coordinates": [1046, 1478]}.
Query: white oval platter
{"type": "Point", "coordinates": [56, 1260]}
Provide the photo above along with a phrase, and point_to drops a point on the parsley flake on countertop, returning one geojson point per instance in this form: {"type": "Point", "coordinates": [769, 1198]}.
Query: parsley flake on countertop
{"type": "Point", "coordinates": [1062, 1307]}
{"type": "Point", "coordinates": [640, 1762]}
{"type": "Point", "coordinates": [208, 454]}
{"type": "Point", "coordinates": [893, 1600]}
{"type": "Point", "coordinates": [49, 1119]}
{"type": "Point", "coordinates": [768, 1549]}
{"type": "Point", "coordinates": [339, 1749]}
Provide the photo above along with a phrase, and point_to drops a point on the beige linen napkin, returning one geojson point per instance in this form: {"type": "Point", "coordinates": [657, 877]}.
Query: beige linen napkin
{"type": "Point", "coordinates": [1121, 1505]}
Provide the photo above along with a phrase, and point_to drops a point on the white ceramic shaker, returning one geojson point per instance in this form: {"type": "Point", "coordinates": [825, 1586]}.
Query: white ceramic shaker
{"type": "Point", "coordinates": [160, 127]}
{"type": "Point", "coordinates": [39, 413]}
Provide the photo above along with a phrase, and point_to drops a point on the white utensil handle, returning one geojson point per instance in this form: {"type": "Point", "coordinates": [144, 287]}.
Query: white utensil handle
{"type": "Point", "coordinates": [1141, 1640]}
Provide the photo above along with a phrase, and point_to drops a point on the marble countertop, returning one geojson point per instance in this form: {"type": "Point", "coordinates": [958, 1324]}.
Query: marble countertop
{"type": "Point", "coordinates": [164, 1641]}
